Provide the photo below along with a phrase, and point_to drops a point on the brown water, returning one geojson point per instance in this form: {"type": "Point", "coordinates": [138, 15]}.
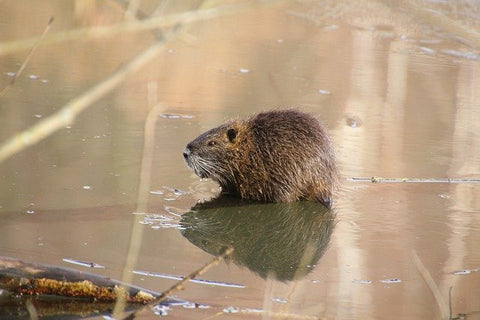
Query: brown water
{"type": "Point", "coordinates": [398, 86]}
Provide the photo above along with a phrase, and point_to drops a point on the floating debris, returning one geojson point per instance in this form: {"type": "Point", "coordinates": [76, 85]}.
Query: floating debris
{"type": "Point", "coordinates": [244, 70]}
{"type": "Point", "coordinates": [30, 210]}
{"type": "Point", "coordinates": [10, 74]}
{"type": "Point", "coordinates": [161, 310]}
{"type": "Point", "coordinates": [200, 281]}
{"type": "Point", "coordinates": [462, 272]}
{"type": "Point", "coordinates": [427, 50]}
{"type": "Point", "coordinates": [179, 192]}
{"type": "Point", "coordinates": [279, 300]}
{"type": "Point", "coordinates": [461, 54]}
{"type": "Point", "coordinates": [394, 280]}
{"type": "Point", "coordinates": [170, 116]}
{"type": "Point", "coordinates": [83, 263]}
{"type": "Point", "coordinates": [353, 121]}
{"type": "Point", "coordinates": [190, 305]}
{"type": "Point", "coordinates": [251, 310]}
{"type": "Point", "coordinates": [330, 27]}
{"type": "Point", "coordinates": [87, 187]}
{"type": "Point", "coordinates": [362, 281]}
{"type": "Point", "coordinates": [174, 211]}
{"type": "Point", "coordinates": [157, 221]}
{"type": "Point", "coordinates": [33, 77]}
{"type": "Point", "coordinates": [465, 271]}
{"type": "Point", "coordinates": [156, 217]}
{"type": "Point", "coordinates": [156, 192]}
{"type": "Point", "coordinates": [231, 309]}
{"type": "Point", "coordinates": [322, 91]}
{"type": "Point", "coordinates": [176, 116]}
{"type": "Point", "coordinates": [175, 193]}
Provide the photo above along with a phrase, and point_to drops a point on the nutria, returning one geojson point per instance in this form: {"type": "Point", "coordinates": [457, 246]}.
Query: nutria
{"type": "Point", "coordinates": [273, 156]}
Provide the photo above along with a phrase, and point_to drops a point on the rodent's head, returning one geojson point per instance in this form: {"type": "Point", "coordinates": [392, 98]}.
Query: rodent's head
{"type": "Point", "coordinates": [213, 154]}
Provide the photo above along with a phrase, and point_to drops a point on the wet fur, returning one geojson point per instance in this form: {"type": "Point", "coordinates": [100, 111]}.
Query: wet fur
{"type": "Point", "coordinates": [274, 156]}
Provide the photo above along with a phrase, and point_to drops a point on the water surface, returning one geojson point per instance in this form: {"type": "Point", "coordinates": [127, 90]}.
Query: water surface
{"type": "Point", "coordinates": [397, 85]}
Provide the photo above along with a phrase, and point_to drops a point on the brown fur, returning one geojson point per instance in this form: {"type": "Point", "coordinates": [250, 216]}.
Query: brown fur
{"type": "Point", "coordinates": [274, 156]}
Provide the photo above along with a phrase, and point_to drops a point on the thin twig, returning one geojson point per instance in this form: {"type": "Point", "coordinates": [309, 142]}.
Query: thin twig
{"type": "Point", "coordinates": [134, 26]}
{"type": "Point", "coordinates": [32, 311]}
{"type": "Point", "coordinates": [375, 179]}
{"type": "Point", "coordinates": [431, 285]}
{"type": "Point", "coordinates": [143, 187]}
{"type": "Point", "coordinates": [179, 285]}
{"type": "Point", "coordinates": [132, 9]}
{"type": "Point", "coordinates": [161, 8]}
{"type": "Point", "coordinates": [27, 59]}
{"type": "Point", "coordinates": [67, 114]}
{"type": "Point", "coordinates": [450, 302]}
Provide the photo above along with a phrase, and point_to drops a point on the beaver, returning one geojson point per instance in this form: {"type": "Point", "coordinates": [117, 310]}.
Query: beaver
{"type": "Point", "coordinates": [273, 156]}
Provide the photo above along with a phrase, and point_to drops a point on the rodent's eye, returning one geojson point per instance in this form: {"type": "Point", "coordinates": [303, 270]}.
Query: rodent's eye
{"type": "Point", "coordinates": [211, 143]}
{"type": "Point", "coordinates": [231, 134]}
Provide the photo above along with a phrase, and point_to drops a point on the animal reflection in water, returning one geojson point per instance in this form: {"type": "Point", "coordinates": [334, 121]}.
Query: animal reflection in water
{"type": "Point", "coordinates": [280, 240]}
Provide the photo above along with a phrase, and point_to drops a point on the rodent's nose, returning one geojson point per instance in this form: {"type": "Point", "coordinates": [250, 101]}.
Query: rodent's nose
{"type": "Point", "coordinates": [186, 153]}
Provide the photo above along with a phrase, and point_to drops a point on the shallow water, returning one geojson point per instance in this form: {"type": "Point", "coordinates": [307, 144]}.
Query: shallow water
{"type": "Point", "coordinates": [398, 86]}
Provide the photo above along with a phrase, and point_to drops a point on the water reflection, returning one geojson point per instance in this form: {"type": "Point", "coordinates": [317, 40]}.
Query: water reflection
{"type": "Point", "coordinates": [279, 240]}
{"type": "Point", "coordinates": [396, 82]}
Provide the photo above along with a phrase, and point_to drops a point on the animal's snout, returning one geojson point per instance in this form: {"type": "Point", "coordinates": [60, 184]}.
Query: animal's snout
{"type": "Point", "coordinates": [186, 153]}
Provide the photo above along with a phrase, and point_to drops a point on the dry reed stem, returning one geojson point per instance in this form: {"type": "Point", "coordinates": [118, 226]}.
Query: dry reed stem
{"type": "Point", "coordinates": [144, 185]}
{"type": "Point", "coordinates": [132, 26]}
{"type": "Point", "coordinates": [450, 303]}
{"type": "Point", "coordinates": [67, 114]}
{"type": "Point", "coordinates": [137, 231]}
{"type": "Point", "coordinates": [445, 313]}
{"type": "Point", "coordinates": [27, 59]}
{"type": "Point", "coordinates": [132, 9]}
{"type": "Point", "coordinates": [142, 196]}
{"type": "Point", "coordinates": [32, 311]}
{"type": "Point", "coordinates": [179, 285]}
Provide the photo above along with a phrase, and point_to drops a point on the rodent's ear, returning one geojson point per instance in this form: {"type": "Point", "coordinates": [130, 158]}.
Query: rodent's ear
{"type": "Point", "coordinates": [231, 134]}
